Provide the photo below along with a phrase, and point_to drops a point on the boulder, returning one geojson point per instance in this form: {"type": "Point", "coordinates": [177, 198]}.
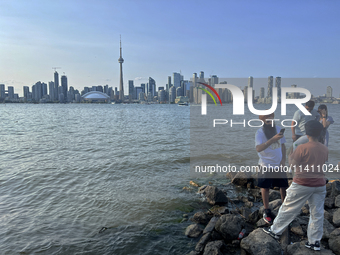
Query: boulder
{"type": "Point", "coordinates": [299, 248]}
{"type": "Point", "coordinates": [253, 217]}
{"type": "Point", "coordinates": [193, 231]}
{"type": "Point", "coordinates": [201, 189]}
{"type": "Point", "coordinates": [328, 228]}
{"type": "Point", "coordinates": [245, 212]}
{"type": "Point", "coordinates": [194, 253]}
{"type": "Point", "coordinates": [296, 228]}
{"type": "Point", "coordinates": [215, 196]}
{"type": "Point", "coordinates": [336, 218]}
{"type": "Point", "coordinates": [231, 175]}
{"type": "Point", "coordinates": [334, 241]}
{"type": "Point", "coordinates": [229, 226]}
{"type": "Point", "coordinates": [202, 242]}
{"type": "Point", "coordinates": [260, 243]}
{"type": "Point", "coordinates": [328, 216]}
{"type": "Point", "coordinates": [274, 194]}
{"type": "Point", "coordinates": [305, 210]}
{"type": "Point", "coordinates": [219, 209]}
{"type": "Point", "coordinates": [329, 202]}
{"type": "Point", "coordinates": [335, 188]}
{"type": "Point", "coordinates": [241, 179]}
{"type": "Point", "coordinates": [329, 189]}
{"type": "Point", "coordinates": [213, 248]}
{"type": "Point", "coordinates": [201, 218]}
{"type": "Point", "coordinates": [261, 223]}
{"type": "Point", "coordinates": [211, 225]}
{"type": "Point", "coordinates": [337, 201]}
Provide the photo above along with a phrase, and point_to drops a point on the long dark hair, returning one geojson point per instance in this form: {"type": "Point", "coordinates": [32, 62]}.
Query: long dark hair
{"type": "Point", "coordinates": [323, 107]}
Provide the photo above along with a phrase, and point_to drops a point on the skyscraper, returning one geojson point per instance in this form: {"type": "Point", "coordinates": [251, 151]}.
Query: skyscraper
{"type": "Point", "coordinates": [278, 85]}
{"type": "Point", "coordinates": [176, 79]}
{"type": "Point", "coordinates": [270, 86]}
{"type": "Point", "coordinates": [51, 90]}
{"type": "Point", "coordinates": [152, 86]}
{"type": "Point", "coordinates": [64, 86]}
{"type": "Point", "coordinates": [131, 90]}
{"type": "Point", "coordinates": [26, 91]}
{"type": "Point", "coordinates": [2, 90]}
{"type": "Point", "coordinates": [56, 85]}
{"type": "Point", "coordinates": [329, 91]}
{"type": "Point", "coordinates": [121, 87]}
{"type": "Point", "coordinates": [250, 81]}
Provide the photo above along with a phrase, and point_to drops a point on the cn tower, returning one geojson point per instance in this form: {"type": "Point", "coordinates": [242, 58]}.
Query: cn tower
{"type": "Point", "coordinates": [121, 87]}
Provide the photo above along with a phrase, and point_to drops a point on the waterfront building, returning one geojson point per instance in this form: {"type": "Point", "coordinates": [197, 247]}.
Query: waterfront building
{"type": "Point", "coordinates": [172, 94]}
{"type": "Point", "coordinates": [2, 90]}
{"type": "Point", "coordinates": [138, 90]}
{"type": "Point", "coordinates": [160, 88]}
{"type": "Point", "coordinates": [262, 92]}
{"type": "Point", "coordinates": [250, 81]}
{"type": "Point", "coordinates": [213, 80]}
{"type": "Point", "coordinates": [168, 85]}
{"type": "Point", "coordinates": [294, 95]}
{"type": "Point", "coordinates": [141, 96]}
{"type": "Point", "coordinates": [329, 91]}
{"type": "Point", "coordinates": [121, 87]}
{"type": "Point", "coordinates": [176, 80]}
{"type": "Point", "coordinates": [278, 86]}
{"type": "Point", "coordinates": [202, 75]}
{"type": "Point", "coordinates": [51, 90]}
{"type": "Point", "coordinates": [152, 86]}
{"type": "Point", "coordinates": [27, 90]}
{"type": "Point", "coordinates": [161, 95]}
{"type": "Point", "coordinates": [270, 86]}
{"type": "Point", "coordinates": [100, 88]}
{"type": "Point", "coordinates": [106, 89]}
{"type": "Point", "coordinates": [56, 85]}
{"type": "Point", "coordinates": [179, 92]}
{"type": "Point", "coordinates": [10, 90]}
{"type": "Point", "coordinates": [44, 88]}
{"type": "Point", "coordinates": [143, 87]}
{"type": "Point", "coordinates": [64, 86]}
{"type": "Point", "coordinates": [131, 90]}
{"type": "Point", "coordinates": [96, 97]}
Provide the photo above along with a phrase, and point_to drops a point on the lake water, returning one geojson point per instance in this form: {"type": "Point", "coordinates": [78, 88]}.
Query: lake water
{"type": "Point", "coordinates": [68, 170]}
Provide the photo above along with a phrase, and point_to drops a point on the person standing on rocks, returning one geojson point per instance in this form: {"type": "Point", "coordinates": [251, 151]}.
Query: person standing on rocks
{"type": "Point", "coordinates": [271, 149]}
{"type": "Point", "coordinates": [300, 119]}
{"type": "Point", "coordinates": [309, 184]}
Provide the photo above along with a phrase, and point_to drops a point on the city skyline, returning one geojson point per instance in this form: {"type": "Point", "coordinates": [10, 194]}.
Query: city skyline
{"type": "Point", "coordinates": [222, 38]}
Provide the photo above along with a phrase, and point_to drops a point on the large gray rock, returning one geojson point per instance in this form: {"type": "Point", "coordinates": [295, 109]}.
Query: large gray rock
{"type": "Point", "coordinates": [274, 194]}
{"type": "Point", "coordinates": [296, 228]}
{"type": "Point", "coordinates": [328, 228]}
{"type": "Point", "coordinates": [299, 248]}
{"type": "Point", "coordinates": [334, 241]}
{"type": "Point", "coordinates": [229, 226]}
{"type": "Point", "coordinates": [202, 242]}
{"type": "Point", "coordinates": [215, 196]}
{"type": "Point", "coordinates": [201, 218]}
{"type": "Point", "coordinates": [193, 231]}
{"type": "Point", "coordinates": [211, 225]}
{"type": "Point", "coordinates": [336, 218]}
{"type": "Point", "coordinates": [328, 216]}
{"type": "Point", "coordinates": [329, 202]}
{"type": "Point", "coordinates": [253, 217]}
{"type": "Point", "coordinates": [260, 243]}
{"type": "Point", "coordinates": [241, 179]}
{"type": "Point", "coordinates": [213, 248]}
{"type": "Point", "coordinates": [335, 188]}
{"type": "Point", "coordinates": [337, 201]}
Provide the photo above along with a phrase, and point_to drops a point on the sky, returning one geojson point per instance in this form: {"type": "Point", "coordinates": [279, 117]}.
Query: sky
{"type": "Point", "coordinates": [290, 39]}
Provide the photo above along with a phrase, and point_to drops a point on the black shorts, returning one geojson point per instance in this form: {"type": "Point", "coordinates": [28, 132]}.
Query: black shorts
{"type": "Point", "coordinates": [269, 180]}
{"type": "Point", "coordinates": [269, 183]}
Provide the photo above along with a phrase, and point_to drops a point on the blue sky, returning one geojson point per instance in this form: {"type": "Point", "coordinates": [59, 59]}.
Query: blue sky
{"type": "Point", "coordinates": [225, 38]}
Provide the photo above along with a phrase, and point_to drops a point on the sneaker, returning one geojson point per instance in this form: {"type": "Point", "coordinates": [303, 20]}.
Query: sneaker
{"type": "Point", "coordinates": [271, 233]}
{"type": "Point", "coordinates": [267, 216]}
{"type": "Point", "coordinates": [315, 247]}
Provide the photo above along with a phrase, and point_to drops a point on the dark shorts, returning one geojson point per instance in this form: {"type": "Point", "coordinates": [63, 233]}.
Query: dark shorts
{"type": "Point", "coordinates": [269, 183]}
{"type": "Point", "coordinates": [270, 180]}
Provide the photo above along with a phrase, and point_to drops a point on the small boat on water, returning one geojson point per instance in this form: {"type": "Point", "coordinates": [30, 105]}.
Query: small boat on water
{"type": "Point", "coordinates": [183, 104]}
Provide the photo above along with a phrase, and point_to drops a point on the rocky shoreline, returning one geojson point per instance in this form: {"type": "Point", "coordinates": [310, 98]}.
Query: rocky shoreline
{"type": "Point", "coordinates": [217, 228]}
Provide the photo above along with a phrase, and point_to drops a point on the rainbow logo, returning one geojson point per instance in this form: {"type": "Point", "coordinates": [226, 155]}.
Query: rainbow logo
{"type": "Point", "coordinates": [213, 90]}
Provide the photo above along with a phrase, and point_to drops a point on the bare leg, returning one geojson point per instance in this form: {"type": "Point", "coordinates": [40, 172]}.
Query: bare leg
{"type": "Point", "coordinates": [265, 197]}
{"type": "Point", "coordinates": [283, 193]}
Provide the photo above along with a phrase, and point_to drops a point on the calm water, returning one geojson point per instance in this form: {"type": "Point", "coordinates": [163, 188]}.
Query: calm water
{"type": "Point", "coordinates": [68, 170]}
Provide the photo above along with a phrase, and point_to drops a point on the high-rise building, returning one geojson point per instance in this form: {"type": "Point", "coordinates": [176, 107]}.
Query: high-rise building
{"type": "Point", "coordinates": [26, 91]}
{"type": "Point", "coordinates": [152, 86]}
{"type": "Point", "coordinates": [121, 86]}
{"type": "Point", "coordinates": [44, 88]}
{"type": "Point", "coordinates": [329, 91]}
{"type": "Point", "coordinates": [100, 88]}
{"type": "Point", "coordinates": [250, 81]}
{"type": "Point", "coordinates": [176, 77]}
{"type": "Point", "coordinates": [214, 80]}
{"type": "Point", "coordinates": [64, 86]}
{"type": "Point", "coordinates": [143, 87]}
{"type": "Point", "coordinates": [295, 94]}
{"type": "Point", "coordinates": [262, 92]}
{"type": "Point", "coordinates": [201, 75]}
{"type": "Point", "coordinates": [51, 90]}
{"type": "Point", "coordinates": [270, 86]}
{"type": "Point", "coordinates": [168, 86]}
{"type": "Point", "coordinates": [138, 90]}
{"type": "Point", "coordinates": [172, 94]}
{"type": "Point", "coordinates": [106, 89]}
{"type": "Point", "coordinates": [2, 90]}
{"type": "Point", "coordinates": [56, 85]}
{"type": "Point", "coordinates": [278, 86]}
{"type": "Point", "coordinates": [131, 90]}
{"type": "Point", "coordinates": [161, 95]}
{"type": "Point", "coordinates": [10, 92]}
{"type": "Point", "coordinates": [179, 92]}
